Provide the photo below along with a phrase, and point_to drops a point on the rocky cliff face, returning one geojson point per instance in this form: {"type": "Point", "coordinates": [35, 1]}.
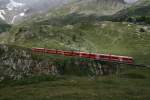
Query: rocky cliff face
{"type": "Point", "coordinates": [13, 11]}
{"type": "Point", "coordinates": [98, 7]}
{"type": "Point", "coordinates": [16, 63]}
{"type": "Point", "coordinates": [3, 26]}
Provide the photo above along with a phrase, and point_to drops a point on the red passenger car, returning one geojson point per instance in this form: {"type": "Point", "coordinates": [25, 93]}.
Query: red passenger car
{"type": "Point", "coordinates": [104, 57]}
{"type": "Point", "coordinates": [50, 51]}
{"type": "Point", "coordinates": [84, 55]}
{"type": "Point", "coordinates": [100, 57]}
{"type": "Point", "coordinates": [61, 52]}
{"type": "Point", "coordinates": [75, 53]}
{"type": "Point", "coordinates": [94, 56]}
{"type": "Point", "coordinates": [128, 60]}
{"type": "Point", "coordinates": [41, 50]}
{"type": "Point", "coordinates": [115, 58]}
{"type": "Point", "coordinates": [68, 53]}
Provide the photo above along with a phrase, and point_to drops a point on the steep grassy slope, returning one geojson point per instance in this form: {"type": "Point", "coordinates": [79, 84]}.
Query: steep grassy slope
{"type": "Point", "coordinates": [85, 34]}
{"type": "Point", "coordinates": [140, 8]}
{"type": "Point", "coordinates": [139, 12]}
{"type": "Point", "coordinates": [99, 7]}
{"type": "Point", "coordinates": [74, 31]}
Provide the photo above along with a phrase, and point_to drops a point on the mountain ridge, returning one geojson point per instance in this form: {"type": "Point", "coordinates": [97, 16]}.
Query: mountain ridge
{"type": "Point", "coordinates": [138, 12]}
{"type": "Point", "coordinates": [14, 11]}
{"type": "Point", "coordinates": [100, 7]}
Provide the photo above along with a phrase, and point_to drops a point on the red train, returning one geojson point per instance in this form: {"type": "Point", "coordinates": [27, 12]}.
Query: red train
{"type": "Point", "coordinates": [101, 57]}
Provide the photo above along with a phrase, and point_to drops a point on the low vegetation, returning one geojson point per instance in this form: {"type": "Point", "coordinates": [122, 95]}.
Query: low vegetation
{"type": "Point", "coordinates": [121, 38]}
{"type": "Point", "coordinates": [132, 84]}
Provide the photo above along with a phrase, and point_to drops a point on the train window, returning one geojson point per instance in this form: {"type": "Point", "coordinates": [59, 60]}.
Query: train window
{"type": "Point", "coordinates": [104, 57]}
{"type": "Point", "coordinates": [60, 52]}
{"type": "Point", "coordinates": [128, 60]}
{"type": "Point", "coordinates": [51, 51]}
{"type": "Point", "coordinates": [114, 57]}
{"type": "Point", "coordinates": [84, 55]}
{"type": "Point", "coordinates": [68, 53]}
{"type": "Point", "coordinates": [76, 53]}
{"type": "Point", "coordinates": [93, 56]}
{"type": "Point", "coordinates": [125, 59]}
{"type": "Point", "coordinates": [39, 50]}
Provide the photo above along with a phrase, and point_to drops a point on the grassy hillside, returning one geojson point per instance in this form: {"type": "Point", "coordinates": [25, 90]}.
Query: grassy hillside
{"type": "Point", "coordinates": [66, 29]}
{"type": "Point", "coordinates": [85, 33]}
{"type": "Point", "coordinates": [139, 12]}
{"type": "Point", "coordinates": [130, 85]}
{"type": "Point", "coordinates": [140, 8]}
{"type": "Point", "coordinates": [75, 29]}
{"type": "Point", "coordinates": [99, 7]}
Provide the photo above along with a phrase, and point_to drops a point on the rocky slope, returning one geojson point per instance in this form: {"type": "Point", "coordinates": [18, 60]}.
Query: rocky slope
{"type": "Point", "coordinates": [80, 31]}
{"type": "Point", "coordinates": [3, 26]}
{"type": "Point", "coordinates": [17, 62]}
{"type": "Point", "coordinates": [87, 7]}
{"type": "Point", "coordinates": [77, 30]}
{"type": "Point", "coordinates": [137, 12]}
{"type": "Point", "coordinates": [13, 11]}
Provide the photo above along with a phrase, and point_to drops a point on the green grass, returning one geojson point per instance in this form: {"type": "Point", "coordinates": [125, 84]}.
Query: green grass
{"type": "Point", "coordinates": [119, 38]}
{"type": "Point", "coordinates": [86, 33]}
{"type": "Point", "coordinates": [114, 87]}
{"type": "Point", "coordinates": [28, 80]}
{"type": "Point", "coordinates": [135, 13]}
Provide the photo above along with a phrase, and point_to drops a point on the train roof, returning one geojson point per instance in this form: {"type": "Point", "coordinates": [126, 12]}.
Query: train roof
{"type": "Point", "coordinates": [87, 53]}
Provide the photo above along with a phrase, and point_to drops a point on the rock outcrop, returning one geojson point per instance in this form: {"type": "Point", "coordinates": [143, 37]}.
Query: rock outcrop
{"type": "Point", "coordinates": [16, 62]}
